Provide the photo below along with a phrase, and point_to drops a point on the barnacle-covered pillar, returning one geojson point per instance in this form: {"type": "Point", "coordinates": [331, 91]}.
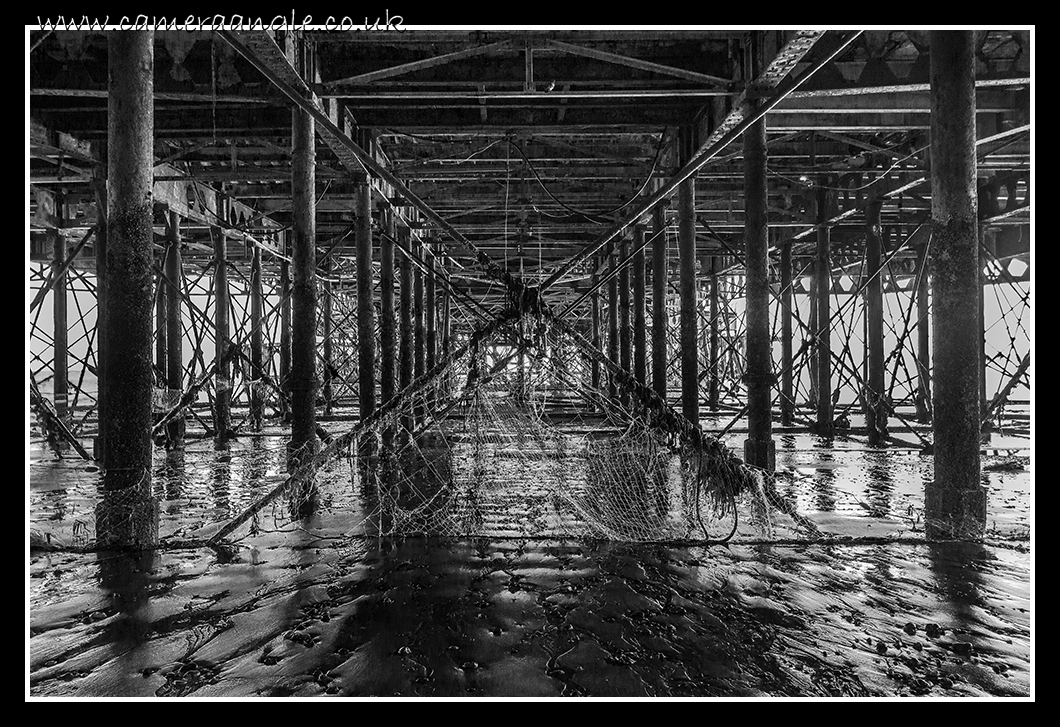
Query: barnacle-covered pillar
{"type": "Point", "coordinates": [759, 448]}
{"type": "Point", "coordinates": [127, 515]}
{"type": "Point", "coordinates": [955, 504]}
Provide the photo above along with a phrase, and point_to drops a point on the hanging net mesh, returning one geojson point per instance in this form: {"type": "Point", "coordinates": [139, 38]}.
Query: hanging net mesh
{"type": "Point", "coordinates": [506, 437]}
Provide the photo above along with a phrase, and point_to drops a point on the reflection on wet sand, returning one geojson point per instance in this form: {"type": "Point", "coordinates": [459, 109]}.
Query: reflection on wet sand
{"type": "Point", "coordinates": [323, 606]}
{"type": "Point", "coordinates": [824, 484]}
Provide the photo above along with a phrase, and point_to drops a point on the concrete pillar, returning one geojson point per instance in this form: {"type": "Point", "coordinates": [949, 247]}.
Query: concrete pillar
{"type": "Point", "coordinates": [787, 382]}
{"type": "Point", "coordinates": [759, 448]}
{"type": "Point", "coordinates": [222, 401]}
{"type": "Point", "coordinates": [257, 370]}
{"type": "Point", "coordinates": [127, 516]}
{"type": "Point", "coordinates": [822, 325]}
{"type": "Point", "coordinates": [303, 377]}
{"type": "Point", "coordinates": [686, 241]}
{"type": "Point", "coordinates": [365, 309]}
{"type": "Point", "coordinates": [640, 334]}
{"type": "Point", "coordinates": [875, 394]}
{"type": "Point", "coordinates": [174, 328]}
{"type": "Point", "coordinates": [923, 337]}
{"type": "Point", "coordinates": [659, 278]}
{"type": "Point", "coordinates": [955, 501]}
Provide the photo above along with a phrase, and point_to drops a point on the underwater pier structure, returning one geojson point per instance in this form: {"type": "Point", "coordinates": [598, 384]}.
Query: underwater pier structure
{"type": "Point", "coordinates": [431, 265]}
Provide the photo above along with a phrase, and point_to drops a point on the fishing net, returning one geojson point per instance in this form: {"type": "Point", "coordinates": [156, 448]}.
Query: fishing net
{"type": "Point", "coordinates": [506, 437]}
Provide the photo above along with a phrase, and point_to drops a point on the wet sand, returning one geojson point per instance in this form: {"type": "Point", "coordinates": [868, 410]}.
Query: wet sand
{"type": "Point", "coordinates": [317, 608]}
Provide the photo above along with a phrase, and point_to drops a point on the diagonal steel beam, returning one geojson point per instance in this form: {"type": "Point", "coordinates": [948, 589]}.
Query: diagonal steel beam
{"type": "Point", "coordinates": [746, 114]}
{"type": "Point", "coordinates": [420, 65]}
{"type": "Point", "coordinates": [259, 48]}
{"type": "Point", "coordinates": [638, 63]}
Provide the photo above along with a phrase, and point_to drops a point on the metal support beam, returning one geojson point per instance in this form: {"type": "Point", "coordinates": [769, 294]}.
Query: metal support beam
{"type": "Point", "coordinates": [405, 353]}
{"type": "Point", "coordinates": [640, 334]}
{"type": "Point", "coordinates": [419, 324]}
{"type": "Point", "coordinates": [923, 337]}
{"type": "Point", "coordinates": [822, 324]}
{"type": "Point", "coordinates": [659, 275]}
{"type": "Point", "coordinates": [776, 81]}
{"type": "Point", "coordinates": [127, 516]}
{"type": "Point", "coordinates": [257, 401]}
{"type": "Point", "coordinates": [955, 501]}
{"type": "Point", "coordinates": [285, 321]}
{"type": "Point", "coordinates": [174, 330]}
{"type": "Point", "coordinates": [161, 293]}
{"type": "Point", "coordinates": [430, 312]}
{"type": "Point", "coordinates": [594, 332]}
{"type": "Point", "coordinates": [365, 309]}
{"type": "Point", "coordinates": [222, 401]}
{"type": "Point", "coordinates": [876, 391]}
{"type": "Point", "coordinates": [327, 332]}
{"type": "Point", "coordinates": [99, 180]}
{"type": "Point", "coordinates": [303, 377]}
{"type": "Point", "coordinates": [445, 333]}
{"type": "Point", "coordinates": [759, 448]}
{"type": "Point", "coordinates": [787, 383]}
{"type": "Point", "coordinates": [625, 343]}
{"type": "Point", "coordinates": [612, 317]}
{"type": "Point", "coordinates": [387, 322]}
{"type": "Point", "coordinates": [714, 384]}
{"type": "Point", "coordinates": [686, 240]}
{"type": "Point", "coordinates": [986, 252]}
{"type": "Point", "coordinates": [60, 339]}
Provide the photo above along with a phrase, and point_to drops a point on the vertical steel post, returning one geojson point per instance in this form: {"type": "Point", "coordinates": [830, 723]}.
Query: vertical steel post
{"type": "Point", "coordinates": [303, 377]}
{"type": "Point", "coordinates": [327, 332]}
{"type": "Point", "coordinates": [787, 383]}
{"type": "Point", "coordinates": [714, 391]}
{"type": "Point", "coordinates": [174, 329]}
{"type": "Point", "coordinates": [686, 240]}
{"type": "Point", "coordinates": [659, 278]}
{"type": "Point", "coordinates": [923, 337]}
{"type": "Point", "coordinates": [285, 318]}
{"type": "Point", "coordinates": [595, 323]}
{"type": "Point", "coordinates": [365, 310]}
{"type": "Point", "coordinates": [955, 503]}
{"type": "Point", "coordinates": [60, 368]}
{"type": "Point", "coordinates": [388, 320]}
{"type": "Point", "coordinates": [222, 416]}
{"type": "Point", "coordinates": [640, 333]}
{"type": "Point", "coordinates": [625, 343]}
{"type": "Point", "coordinates": [876, 392]}
{"type": "Point", "coordinates": [257, 401]}
{"type": "Point", "coordinates": [822, 325]}
{"type": "Point", "coordinates": [759, 447]}
{"type": "Point", "coordinates": [127, 516]}
{"type": "Point", "coordinates": [405, 354]}
{"type": "Point", "coordinates": [612, 315]}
